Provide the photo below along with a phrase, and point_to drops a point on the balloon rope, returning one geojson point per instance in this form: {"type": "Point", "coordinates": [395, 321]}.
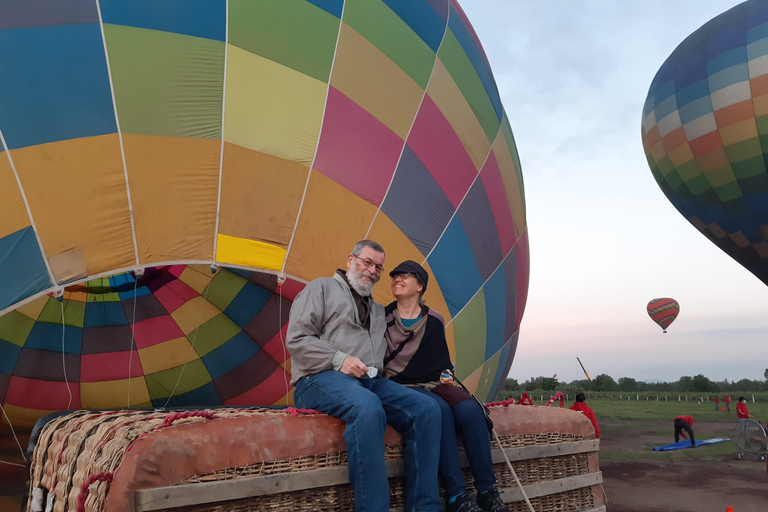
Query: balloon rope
{"type": "Point", "coordinates": [192, 345]}
{"type": "Point", "coordinates": [282, 341]}
{"type": "Point", "coordinates": [63, 356]}
{"type": "Point", "coordinates": [133, 324]}
{"type": "Point", "coordinates": [14, 436]}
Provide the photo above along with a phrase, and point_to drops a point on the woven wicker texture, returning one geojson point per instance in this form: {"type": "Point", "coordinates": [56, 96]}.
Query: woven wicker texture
{"type": "Point", "coordinates": [72, 449]}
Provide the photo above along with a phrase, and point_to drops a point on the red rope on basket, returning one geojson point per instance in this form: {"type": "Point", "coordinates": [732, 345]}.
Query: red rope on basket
{"type": "Point", "coordinates": [187, 414]}
{"type": "Point", "coordinates": [295, 411]}
{"type": "Point", "coordinates": [503, 403]}
{"type": "Point", "coordinates": [168, 421]}
{"type": "Point", "coordinates": [105, 476]}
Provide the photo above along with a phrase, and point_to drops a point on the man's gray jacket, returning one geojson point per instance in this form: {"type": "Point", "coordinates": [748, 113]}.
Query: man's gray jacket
{"type": "Point", "coordinates": [324, 327]}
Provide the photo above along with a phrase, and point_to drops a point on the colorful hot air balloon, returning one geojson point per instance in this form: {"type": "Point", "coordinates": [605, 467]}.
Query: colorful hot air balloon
{"type": "Point", "coordinates": [663, 312]}
{"type": "Point", "coordinates": [705, 134]}
{"type": "Point", "coordinates": [265, 139]}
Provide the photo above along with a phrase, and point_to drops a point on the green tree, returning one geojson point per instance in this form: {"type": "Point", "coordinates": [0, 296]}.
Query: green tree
{"type": "Point", "coordinates": [627, 384]}
{"type": "Point", "coordinates": [703, 385]}
{"type": "Point", "coordinates": [548, 384]}
{"type": "Point", "coordinates": [685, 384]}
{"type": "Point", "coordinates": [604, 382]}
{"type": "Point", "coordinates": [510, 385]}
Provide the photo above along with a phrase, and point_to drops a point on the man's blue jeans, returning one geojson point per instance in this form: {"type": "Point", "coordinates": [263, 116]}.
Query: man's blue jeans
{"type": "Point", "coordinates": [467, 420]}
{"type": "Point", "coordinates": [367, 405]}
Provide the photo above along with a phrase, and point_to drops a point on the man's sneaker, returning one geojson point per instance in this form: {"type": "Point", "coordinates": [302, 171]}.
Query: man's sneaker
{"type": "Point", "coordinates": [462, 503]}
{"type": "Point", "coordinates": [490, 500]}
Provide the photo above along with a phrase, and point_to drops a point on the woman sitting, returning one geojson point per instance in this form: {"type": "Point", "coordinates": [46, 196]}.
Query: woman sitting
{"type": "Point", "coordinates": [417, 356]}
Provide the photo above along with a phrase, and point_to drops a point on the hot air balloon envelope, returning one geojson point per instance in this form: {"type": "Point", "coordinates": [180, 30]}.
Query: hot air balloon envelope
{"type": "Point", "coordinates": [663, 312]}
{"type": "Point", "coordinates": [263, 139]}
{"type": "Point", "coordinates": [705, 132]}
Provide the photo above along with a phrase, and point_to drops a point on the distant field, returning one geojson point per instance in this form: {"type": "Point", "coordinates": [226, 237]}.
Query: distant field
{"type": "Point", "coordinates": [668, 410]}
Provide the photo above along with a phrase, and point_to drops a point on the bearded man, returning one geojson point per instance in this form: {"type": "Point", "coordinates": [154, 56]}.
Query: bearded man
{"type": "Point", "coordinates": [336, 341]}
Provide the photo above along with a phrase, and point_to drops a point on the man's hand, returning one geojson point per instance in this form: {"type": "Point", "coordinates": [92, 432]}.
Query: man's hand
{"type": "Point", "coordinates": [353, 367]}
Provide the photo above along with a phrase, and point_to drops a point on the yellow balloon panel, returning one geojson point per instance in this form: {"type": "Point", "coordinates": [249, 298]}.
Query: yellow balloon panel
{"type": "Point", "coordinates": [272, 108]}
{"type": "Point", "coordinates": [104, 395]}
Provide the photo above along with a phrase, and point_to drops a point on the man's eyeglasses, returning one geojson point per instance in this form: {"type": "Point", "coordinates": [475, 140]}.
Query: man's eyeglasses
{"type": "Point", "coordinates": [368, 263]}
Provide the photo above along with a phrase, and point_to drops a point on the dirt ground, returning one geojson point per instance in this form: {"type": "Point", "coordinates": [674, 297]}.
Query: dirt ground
{"type": "Point", "coordinates": [680, 481]}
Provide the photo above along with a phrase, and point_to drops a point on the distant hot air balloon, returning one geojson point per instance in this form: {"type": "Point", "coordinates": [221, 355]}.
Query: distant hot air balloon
{"type": "Point", "coordinates": [704, 132]}
{"type": "Point", "coordinates": [259, 140]}
{"type": "Point", "coordinates": [663, 312]}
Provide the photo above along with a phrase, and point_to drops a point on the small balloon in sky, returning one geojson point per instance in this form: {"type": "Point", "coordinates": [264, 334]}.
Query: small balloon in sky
{"type": "Point", "coordinates": [704, 132]}
{"type": "Point", "coordinates": [663, 311]}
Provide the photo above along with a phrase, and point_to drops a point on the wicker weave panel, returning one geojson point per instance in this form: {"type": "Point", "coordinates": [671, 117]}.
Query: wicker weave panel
{"type": "Point", "coordinates": [74, 447]}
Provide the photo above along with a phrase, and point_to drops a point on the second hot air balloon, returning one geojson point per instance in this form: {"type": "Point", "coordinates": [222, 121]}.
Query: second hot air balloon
{"type": "Point", "coordinates": [663, 311]}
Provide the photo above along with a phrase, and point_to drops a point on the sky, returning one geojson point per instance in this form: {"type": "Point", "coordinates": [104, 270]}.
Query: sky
{"type": "Point", "coordinates": [604, 240]}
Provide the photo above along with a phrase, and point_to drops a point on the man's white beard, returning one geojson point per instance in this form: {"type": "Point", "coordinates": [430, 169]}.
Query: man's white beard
{"type": "Point", "coordinates": [355, 281]}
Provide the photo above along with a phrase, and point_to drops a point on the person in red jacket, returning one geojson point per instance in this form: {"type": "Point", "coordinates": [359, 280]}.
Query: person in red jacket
{"type": "Point", "coordinates": [587, 411]}
{"type": "Point", "coordinates": [727, 403]}
{"type": "Point", "coordinates": [684, 423]}
{"type": "Point", "coordinates": [717, 403]}
{"type": "Point", "coordinates": [524, 400]}
{"type": "Point", "coordinates": [741, 408]}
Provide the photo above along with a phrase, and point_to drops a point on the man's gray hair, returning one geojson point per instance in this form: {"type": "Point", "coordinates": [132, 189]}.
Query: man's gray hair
{"type": "Point", "coordinates": [358, 248]}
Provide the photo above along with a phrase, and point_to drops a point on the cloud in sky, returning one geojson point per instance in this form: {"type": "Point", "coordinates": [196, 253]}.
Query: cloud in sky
{"type": "Point", "coordinates": [604, 240]}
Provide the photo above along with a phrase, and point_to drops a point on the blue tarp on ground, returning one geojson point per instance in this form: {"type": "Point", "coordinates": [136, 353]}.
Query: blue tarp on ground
{"type": "Point", "coordinates": [687, 444]}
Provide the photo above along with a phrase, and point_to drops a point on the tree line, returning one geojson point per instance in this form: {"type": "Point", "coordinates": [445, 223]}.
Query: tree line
{"type": "Point", "coordinates": [604, 382]}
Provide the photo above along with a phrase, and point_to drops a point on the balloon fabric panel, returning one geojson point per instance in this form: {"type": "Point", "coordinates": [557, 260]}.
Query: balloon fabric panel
{"type": "Point", "coordinates": [22, 268]}
{"type": "Point", "coordinates": [41, 13]}
{"type": "Point", "coordinates": [497, 199]}
{"type": "Point", "coordinates": [494, 291]}
{"type": "Point", "coordinates": [13, 212]}
{"type": "Point", "coordinates": [416, 203]}
{"type": "Point", "coordinates": [45, 57]}
{"type": "Point", "coordinates": [470, 321]}
{"type": "Point", "coordinates": [272, 108]}
{"type": "Point", "coordinates": [165, 83]}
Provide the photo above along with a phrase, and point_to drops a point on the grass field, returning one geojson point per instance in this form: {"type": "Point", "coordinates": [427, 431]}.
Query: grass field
{"type": "Point", "coordinates": [635, 414]}
{"type": "Point", "coordinates": [661, 410]}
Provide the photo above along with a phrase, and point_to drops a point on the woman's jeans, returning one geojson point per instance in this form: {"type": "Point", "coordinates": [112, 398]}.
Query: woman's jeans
{"type": "Point", "coordinates": [467, 420]}
{"type": "Point", "coordinates": [367, 405]}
